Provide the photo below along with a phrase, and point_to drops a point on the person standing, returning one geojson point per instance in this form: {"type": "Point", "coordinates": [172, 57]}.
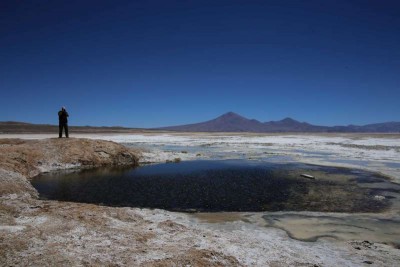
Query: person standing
{"type": "Point", "coordinates": [63, 122]}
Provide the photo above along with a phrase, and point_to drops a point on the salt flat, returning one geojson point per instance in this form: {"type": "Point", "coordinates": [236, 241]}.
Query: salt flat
{"type": "Point", "coordinates": [373, 152]}
{"type": "Point", "coordinates": [259, 239]}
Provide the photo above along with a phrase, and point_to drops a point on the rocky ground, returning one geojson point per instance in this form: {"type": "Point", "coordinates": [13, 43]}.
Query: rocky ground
{"type": "Point", "coordinates": [51, 233]}
{"type": "Point", "coordinates": [24, 159]}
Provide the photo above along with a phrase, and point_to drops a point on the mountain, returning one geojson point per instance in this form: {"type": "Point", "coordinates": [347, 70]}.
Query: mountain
{"type": "Point", "coordinates": [229, 122]}
{"type": "Point", "coordinates": [291, 125]}
{"type": "Point", "coordinates": [382, 127]}
{"type": "Point", "coordinates": [386, 127]}
{"type": "Point", "coordinates": [232, 122]}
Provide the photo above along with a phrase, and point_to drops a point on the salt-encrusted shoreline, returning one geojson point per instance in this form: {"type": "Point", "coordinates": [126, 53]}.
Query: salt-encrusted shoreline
{"type": "Point", "coordinates": [373, 152]}
{"type": "Point", "coordinates": [49, 233]}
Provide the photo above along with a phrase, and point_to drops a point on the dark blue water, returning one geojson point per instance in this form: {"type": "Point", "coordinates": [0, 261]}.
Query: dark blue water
{"type": "Point", "coordinates": [232, 185]}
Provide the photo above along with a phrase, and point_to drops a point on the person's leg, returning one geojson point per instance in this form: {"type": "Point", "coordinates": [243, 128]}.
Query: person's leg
{"type": "Point", "coordinates": [66, 130]}
{"type": "Point", "coordinates": [60, 130]}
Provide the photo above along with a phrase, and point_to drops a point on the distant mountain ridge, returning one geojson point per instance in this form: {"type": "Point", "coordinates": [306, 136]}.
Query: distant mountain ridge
{"type": "Point", "coordinates": [24, 127]}
{"type": "Point", "coordinates": [228, 122]}
{"type": "Point", "coordinates": [232, 122]}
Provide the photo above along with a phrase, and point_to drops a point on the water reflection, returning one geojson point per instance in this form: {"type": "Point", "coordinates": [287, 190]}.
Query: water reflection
{"type": "Point", "coordinates": [230, 185]}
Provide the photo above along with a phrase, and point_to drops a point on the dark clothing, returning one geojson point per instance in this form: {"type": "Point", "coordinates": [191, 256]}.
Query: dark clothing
{"type": "Point", "coordinates": [62, 122]}
{"type": "Point", "coordinates": [63, 116]}
{"type": "Point", "coordinates": [60, 129]}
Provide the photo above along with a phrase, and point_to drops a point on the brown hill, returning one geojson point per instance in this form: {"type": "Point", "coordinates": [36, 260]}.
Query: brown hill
{"type": "Point", "coordinates": [232, 122]}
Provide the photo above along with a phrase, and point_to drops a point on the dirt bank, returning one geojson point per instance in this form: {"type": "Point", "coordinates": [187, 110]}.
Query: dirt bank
{"type": "Point", "coordinates": [24, 159]}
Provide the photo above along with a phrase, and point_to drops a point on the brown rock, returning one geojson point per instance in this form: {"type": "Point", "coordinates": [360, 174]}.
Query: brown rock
{"type": "Point", "coordinates": [24, 159]}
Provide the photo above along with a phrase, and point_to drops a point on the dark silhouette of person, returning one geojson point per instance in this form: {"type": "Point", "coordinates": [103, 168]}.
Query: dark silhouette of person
{"type": "Point", "coordinates": [63, 122]}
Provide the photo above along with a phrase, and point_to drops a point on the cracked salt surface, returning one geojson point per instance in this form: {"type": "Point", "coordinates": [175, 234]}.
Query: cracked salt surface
{"type": "Point", "coordinates": [377, 154]}
{"type": "Point", "coordinates": [355, 151]}
{"type": "Point", "coordinates": [348, 150]}
{"type": "Point", "coordinates": [247, 237]}
{"type": "Point", "coordinates": [12, 228]}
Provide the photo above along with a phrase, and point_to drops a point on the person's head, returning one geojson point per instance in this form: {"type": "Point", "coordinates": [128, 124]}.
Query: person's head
{"type": "Point", "coordinates": [63, 108]}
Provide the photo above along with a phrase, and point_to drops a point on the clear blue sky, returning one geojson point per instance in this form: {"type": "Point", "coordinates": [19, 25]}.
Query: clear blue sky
{"type": "Point", "coordinates": [159, 63]}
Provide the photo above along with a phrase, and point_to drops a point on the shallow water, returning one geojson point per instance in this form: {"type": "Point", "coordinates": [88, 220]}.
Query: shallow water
{"type": "Point", "coordinates": [264, 193]}
{"type": "Point", "coordinates": [311, 226]}
{"type": "Point", "coordinates": [229, 185]}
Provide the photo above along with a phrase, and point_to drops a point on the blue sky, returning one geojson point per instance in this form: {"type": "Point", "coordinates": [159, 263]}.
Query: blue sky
{"type": "Point", "coordinates": [160, 63]}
